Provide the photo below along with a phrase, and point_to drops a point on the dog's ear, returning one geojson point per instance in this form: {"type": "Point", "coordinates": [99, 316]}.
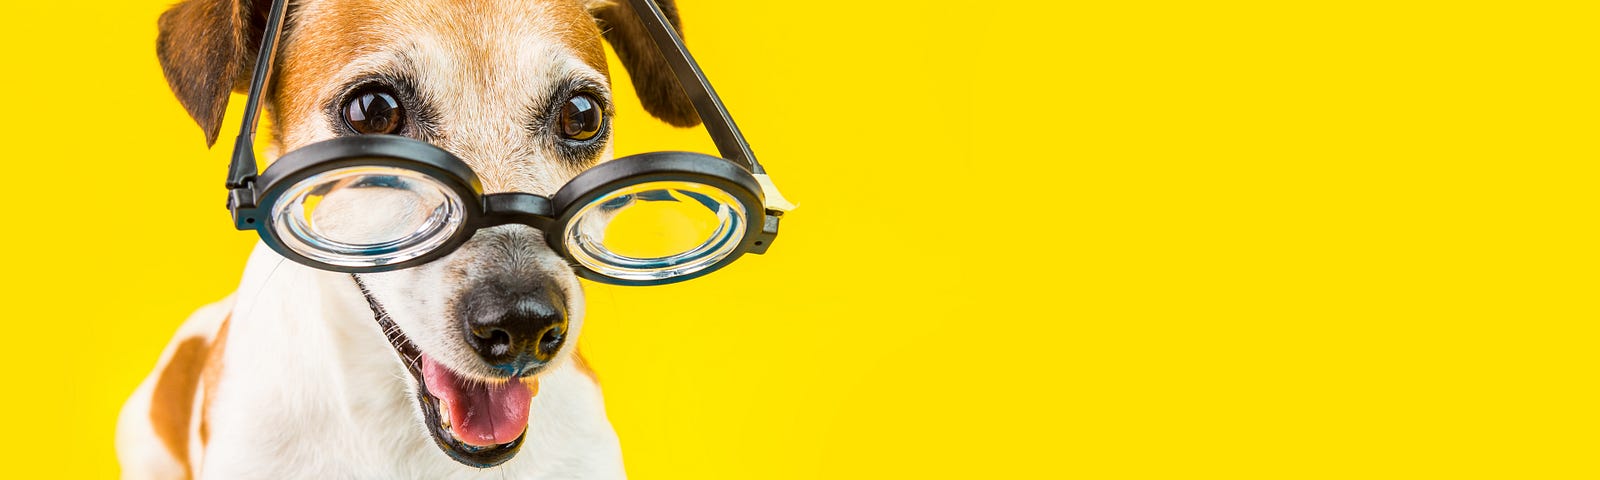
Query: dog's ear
{"type": "Point", "coordinates": [652, 78]}
{"type": "Point", "coordinates": [207, 50]}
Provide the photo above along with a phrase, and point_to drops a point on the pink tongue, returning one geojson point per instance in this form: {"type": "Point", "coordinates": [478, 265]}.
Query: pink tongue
{"type": "Point", "coordinates": [480, 415]}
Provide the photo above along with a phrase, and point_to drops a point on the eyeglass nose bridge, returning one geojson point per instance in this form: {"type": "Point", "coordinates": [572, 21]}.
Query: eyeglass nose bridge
{"type": "Point", "coordinates": [517, 208]}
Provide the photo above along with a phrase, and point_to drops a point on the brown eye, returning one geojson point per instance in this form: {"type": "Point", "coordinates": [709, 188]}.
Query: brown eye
{"type": "Point", "coordinates": [373, 111]}
{"type": "Point", "coordinates": [580, 117]}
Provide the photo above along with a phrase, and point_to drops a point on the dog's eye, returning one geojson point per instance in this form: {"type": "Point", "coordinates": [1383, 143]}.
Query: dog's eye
{"type": "Point", "coordinates": [373, 111]}
{"type": "Point", "coordinates": [581, 117]}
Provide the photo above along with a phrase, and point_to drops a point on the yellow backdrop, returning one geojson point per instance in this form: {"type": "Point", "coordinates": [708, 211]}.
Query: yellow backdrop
{"type": "Point", "coordinates": [1036, 239]}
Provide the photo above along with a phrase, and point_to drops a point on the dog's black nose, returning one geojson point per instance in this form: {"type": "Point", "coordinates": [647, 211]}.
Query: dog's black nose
{"type": "Point", "coordinates": [515, 330]}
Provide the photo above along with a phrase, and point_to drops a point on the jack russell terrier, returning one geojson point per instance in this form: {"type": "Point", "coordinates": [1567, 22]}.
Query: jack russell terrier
{"type": "Point", "coordinates": [291, 377]}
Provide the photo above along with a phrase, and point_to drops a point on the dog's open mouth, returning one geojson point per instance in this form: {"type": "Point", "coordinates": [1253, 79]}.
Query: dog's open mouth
{"type": "Point", "coordinates": [477, 423]}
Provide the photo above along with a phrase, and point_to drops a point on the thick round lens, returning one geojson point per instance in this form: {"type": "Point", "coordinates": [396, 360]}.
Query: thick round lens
{"type": "Point", "coordinates": [366, 216]}
{"type": "Point", "coordinates": [656, 230]}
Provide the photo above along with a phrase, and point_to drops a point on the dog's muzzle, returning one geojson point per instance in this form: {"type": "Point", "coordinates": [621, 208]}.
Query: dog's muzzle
{"type": "Point", "coordinates": [477, 423]}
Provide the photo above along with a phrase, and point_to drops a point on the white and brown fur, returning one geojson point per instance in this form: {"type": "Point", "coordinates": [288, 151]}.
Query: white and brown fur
{"type": "Point", "coordinates": [291, 377]}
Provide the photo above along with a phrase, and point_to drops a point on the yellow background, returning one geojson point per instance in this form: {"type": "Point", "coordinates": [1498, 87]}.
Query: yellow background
{"type": "Point", "coordinates": [1036, 239]}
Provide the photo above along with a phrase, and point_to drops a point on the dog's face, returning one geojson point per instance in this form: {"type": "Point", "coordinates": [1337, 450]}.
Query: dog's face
{"type": "Point", "coordinates": [519, 90]}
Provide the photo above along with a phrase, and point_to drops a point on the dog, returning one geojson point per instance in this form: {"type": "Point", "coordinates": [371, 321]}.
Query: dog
{"type": "Point", "coordinates": [304, 373]}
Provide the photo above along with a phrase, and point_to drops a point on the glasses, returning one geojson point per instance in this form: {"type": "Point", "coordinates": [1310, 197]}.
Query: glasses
{"type": "Point", "coordinates": [374, 203]}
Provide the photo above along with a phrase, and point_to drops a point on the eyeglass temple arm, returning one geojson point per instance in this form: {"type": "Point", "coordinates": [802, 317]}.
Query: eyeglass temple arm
{"type": "Point", "coordinates": [242, 170]}
{"type": "Point", "coordinates": [730, 143]}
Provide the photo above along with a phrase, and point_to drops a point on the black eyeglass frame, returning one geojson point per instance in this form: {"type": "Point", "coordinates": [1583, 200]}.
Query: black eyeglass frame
{"type": "Point", "coordinates": [251, 196]}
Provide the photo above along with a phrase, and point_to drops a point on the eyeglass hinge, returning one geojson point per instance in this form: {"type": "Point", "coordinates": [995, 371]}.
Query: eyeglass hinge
{"type": "Point", "coordinates": [242, 206]}
{"type": "Point", "coordinates": [768, 234]}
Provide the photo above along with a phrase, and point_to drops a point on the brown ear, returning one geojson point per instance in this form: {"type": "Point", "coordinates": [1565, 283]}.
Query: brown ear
{"type": "Point", "coordinates": [207, 50]}
{"type": "Point", "coordinates": [658, 89]}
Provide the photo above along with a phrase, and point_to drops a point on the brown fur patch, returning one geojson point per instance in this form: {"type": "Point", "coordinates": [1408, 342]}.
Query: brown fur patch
{"type": "Point", "coordinates": [583, 36]}
{"type": "Point", "coordinates": [173, 398]}
{"type": "Point", "coordinates": [332, 34]}
{"type": "Point", "coordinates": [652, 78]}
{"type": "Point", "coordinates": [207, 49]}
{"type": "Point", "coordinates": [209, 376]}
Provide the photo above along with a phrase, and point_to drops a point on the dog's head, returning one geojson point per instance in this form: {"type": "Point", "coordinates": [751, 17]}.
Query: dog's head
{"type": "Point", "coordinates": [518, 89]}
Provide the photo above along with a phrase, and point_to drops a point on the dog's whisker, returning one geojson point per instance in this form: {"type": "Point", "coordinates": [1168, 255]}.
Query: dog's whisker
{"type": "Point", "coordinates": [254, 299]}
